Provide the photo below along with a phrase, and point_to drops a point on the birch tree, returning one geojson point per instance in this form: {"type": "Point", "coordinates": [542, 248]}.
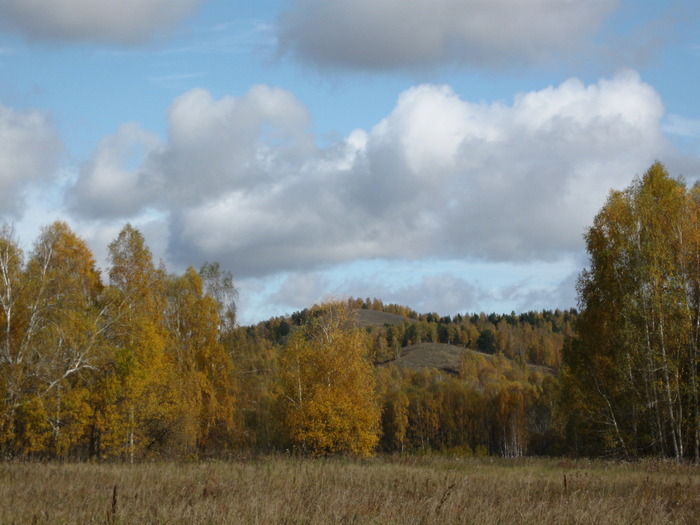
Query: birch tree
{"type": "Point", "coordinates": [139, 394]}
{"type": "Point", "coordinates": [51, 341]}
{"type": "Point", "coordinates": [202, 365]}
{"type": "Point", "coordinates": [634, 369]}
{"type": "Point", "coordinates": [327, 388]}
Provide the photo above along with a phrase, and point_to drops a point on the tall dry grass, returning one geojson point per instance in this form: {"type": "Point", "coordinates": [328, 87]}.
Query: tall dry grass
{"type": "Point", "coordinates": [381, 490]}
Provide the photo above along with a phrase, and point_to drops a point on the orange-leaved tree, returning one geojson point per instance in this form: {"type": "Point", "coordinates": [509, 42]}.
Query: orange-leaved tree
{"type": "Point", "coordinates": [327, 388]}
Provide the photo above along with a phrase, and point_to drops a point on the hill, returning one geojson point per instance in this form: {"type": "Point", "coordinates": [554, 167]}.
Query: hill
{"type": "Point", "coordinates": [415, 341]}
{"type": "Point", "coordinates": [458, 383]}
{"type": "Point", "coordinates": [448, 358]}
{"type": "Point", "coordinates": [440, 356]}
{"type": "Point", "coordinates": [367, 318]}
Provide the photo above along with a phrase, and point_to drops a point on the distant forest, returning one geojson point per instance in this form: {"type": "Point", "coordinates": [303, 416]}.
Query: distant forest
{"type": "Point", "coordinates": [149, 364]}
{"type": "Point", "coordinates": [497, 393]}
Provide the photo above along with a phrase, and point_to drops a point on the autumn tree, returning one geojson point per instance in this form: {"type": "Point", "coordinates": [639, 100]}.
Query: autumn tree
{"type": "Point", "coordinates": [52, 339]}
{"type": "Point", "coordinates": [15, 319]}
{"type": "Point", "coordinates": [202, 365]}
{"type": "Point", "coordinates": [258, 422]}
{"type": "Point", "coordinates": [138, 398]}
{"type": "Point", "coordinates": [631, 376]}
{"type": "Point", "coordinates": [218, 284]}
{"type": "Point", "coordinates": [327, 388]}
{"type": "Point", "coordinates": [424, 410]}
{"type": "Point", "coordinates": [69, 340]}
{"type": "Point", "coordinates": [509, 436]}
{"type": "Point", "coordinates": [395, 405]}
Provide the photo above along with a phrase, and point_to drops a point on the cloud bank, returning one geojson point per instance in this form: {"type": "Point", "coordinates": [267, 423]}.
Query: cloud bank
{"type": "Point", "coordinates": [391, 34]}
{"type": "Point", "coordinates": [242, 181]}
{"type": "Point", "coordinates": [30, 149]}
{"type": "Point", "coordinates": [107, 21]}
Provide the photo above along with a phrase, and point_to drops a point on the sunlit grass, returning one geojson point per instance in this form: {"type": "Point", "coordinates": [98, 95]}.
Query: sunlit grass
{"type": "Point", "coordinates": [380, 490]}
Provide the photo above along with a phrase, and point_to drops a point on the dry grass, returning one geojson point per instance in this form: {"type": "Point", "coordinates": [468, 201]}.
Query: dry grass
{"type": "Point", "coordinates": [431, 355]}
{"type": "Point", "coordinates": [374, 318]}
{"type": "Point", "coordinates": [382, 490]}
{"type": "Point", "coordinates": [448, 358]}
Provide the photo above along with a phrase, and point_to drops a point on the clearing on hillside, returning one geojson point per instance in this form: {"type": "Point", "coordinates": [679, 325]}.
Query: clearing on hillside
{"type": "Point", "coordinates": [447, 358]}
{"type": "Point", "coordinates": [367, 318]}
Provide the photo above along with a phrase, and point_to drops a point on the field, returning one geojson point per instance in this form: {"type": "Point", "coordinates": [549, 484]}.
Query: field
{"type": "Point", "coordinates": [399, 490]}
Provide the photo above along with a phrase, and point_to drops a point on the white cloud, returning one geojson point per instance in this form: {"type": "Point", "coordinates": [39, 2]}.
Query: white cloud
{"type": "Point", "coordinates": [214, 147]}
{"type": "Point", "coordinates": [389, 34]}
{"type": "Point", "coordinates": [121, 22]}
{"type": "Point", "coordinates": [243, 183]}
{"type": "Point", "coordinates": [120, 179]}
{"type": "Point", "coordinates": [218, 145]}
{"type": "Point", "coordinates": [29, 150]}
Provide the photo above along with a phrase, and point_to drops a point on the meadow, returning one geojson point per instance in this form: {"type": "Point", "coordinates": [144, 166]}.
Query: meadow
{"type": "Point", "coordinates": [400, 490]}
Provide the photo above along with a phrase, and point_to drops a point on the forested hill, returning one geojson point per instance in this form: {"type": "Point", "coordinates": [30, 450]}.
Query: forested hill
{"type": "Point", "coordinates": [466, 384]}
{"type": "Point", "coordinates": [536, 338]}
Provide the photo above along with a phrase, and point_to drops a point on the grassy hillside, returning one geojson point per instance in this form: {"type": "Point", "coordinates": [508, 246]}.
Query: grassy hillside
{"type": "Point", "coordinates": [367, 318]}
{"type": "Point", "coordinates": [440, 356]}
{"type": "Point", "coordinates": [449, 358]}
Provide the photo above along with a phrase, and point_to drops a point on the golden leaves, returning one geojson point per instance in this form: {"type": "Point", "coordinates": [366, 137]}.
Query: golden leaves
{"type": "Point", "coordinates": [327, 389]}
{"type": "Point", "coordinates": [106, 370]}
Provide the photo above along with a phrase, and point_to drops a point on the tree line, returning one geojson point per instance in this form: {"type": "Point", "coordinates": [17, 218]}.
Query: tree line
{"type": "Point", "coordinates": [152, 364]}
{"type": "Point", "coordinates": [129, 368]}
{"type": "Point", "coordinates": [492, 403]}
{"type": "Point", "coordinates": [533, 337]}
{"type": "Point", "coordinates": [147, 365]}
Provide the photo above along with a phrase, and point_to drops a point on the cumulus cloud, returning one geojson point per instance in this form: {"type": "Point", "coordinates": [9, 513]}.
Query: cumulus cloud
{"type": "Point", "coordinates": [121, 22]}
{"type": "Point", "coordinates": [243, 183]}
{"type": "Point", "coordinates": [29, 150]}
{"type": "Point", "coordinates": [119, 180]}
{"type": "Point", "coordinates": [389, 34]}
{"type": "Point", "coordinates": [216, 146]}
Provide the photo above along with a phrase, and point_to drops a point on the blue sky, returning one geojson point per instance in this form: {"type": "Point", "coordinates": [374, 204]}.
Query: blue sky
{"type": "Point", "coordinates": [444, 154]}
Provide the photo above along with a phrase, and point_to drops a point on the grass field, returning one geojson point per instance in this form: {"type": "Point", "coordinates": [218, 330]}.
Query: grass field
{"type": "Point", "coordinates": [397, 490]}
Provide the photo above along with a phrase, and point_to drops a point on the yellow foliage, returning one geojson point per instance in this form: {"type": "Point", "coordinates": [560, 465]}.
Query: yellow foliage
{"type": "Point", "coordinates": [32, 426]}
{"type": "Point", "coordinates": [146, 399]}
{"type": "Point", "coordinates": [203, 366]}
{"type": "Point", "coordinates": [327, 388]}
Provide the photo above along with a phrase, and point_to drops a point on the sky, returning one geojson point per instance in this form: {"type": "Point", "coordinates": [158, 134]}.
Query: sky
{"type": "Point", "coordinates": [447, 155]}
